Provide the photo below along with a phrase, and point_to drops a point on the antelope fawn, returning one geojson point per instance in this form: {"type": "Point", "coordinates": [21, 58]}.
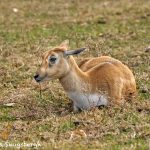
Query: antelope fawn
{"type": "Point", "coordinates": [93, 82]}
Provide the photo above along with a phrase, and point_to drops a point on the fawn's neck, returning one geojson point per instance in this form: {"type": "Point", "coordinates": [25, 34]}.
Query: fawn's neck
{"type": "Point", "coordinates": [75, 79]}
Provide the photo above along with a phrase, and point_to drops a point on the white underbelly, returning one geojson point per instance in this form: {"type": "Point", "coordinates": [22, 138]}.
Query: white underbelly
{"type": "Point", "coordinates": [87, 101]}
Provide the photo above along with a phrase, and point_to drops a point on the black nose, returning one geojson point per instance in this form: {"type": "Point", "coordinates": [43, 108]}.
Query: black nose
{"type": "Point", "coordinates": [36, 76]}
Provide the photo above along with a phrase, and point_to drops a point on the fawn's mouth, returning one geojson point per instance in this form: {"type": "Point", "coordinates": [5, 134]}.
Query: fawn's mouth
{"type": "Point", "coordinates": [41, 79]}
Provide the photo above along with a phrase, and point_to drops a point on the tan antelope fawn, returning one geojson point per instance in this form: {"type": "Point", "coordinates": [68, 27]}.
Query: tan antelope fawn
{"type": "Point", "coordinates": [94, 82]}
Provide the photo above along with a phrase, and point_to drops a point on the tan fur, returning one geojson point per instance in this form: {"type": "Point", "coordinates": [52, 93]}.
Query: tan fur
{"type": "Point", "coordinates": [92, 75]}
{"type": "Point", "coordinates": [129, 81]}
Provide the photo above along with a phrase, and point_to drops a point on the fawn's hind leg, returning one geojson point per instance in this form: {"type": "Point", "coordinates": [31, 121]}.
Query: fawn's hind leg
{"type": "Point", "coordinates": [116, 94]}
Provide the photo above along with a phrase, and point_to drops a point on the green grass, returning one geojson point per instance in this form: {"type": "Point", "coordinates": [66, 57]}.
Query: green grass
{"type": "Point", "coordinates": [41, 112]}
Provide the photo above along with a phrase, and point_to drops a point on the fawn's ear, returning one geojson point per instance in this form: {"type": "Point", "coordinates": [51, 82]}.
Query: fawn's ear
{"type": "Point", "coordinates": [65, 44]}
{"type": "Point", "coordinates": [74, 52]}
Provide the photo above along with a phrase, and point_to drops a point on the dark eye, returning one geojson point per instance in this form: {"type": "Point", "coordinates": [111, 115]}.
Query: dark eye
{"type": "Point", "coordinates": [52, 59]}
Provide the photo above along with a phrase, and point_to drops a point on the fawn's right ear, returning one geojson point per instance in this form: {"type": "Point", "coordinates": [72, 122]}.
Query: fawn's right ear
{"type": "Point", "coordinates": [74, 52]}
{"type": "Point", "coordinates": [65, 44]}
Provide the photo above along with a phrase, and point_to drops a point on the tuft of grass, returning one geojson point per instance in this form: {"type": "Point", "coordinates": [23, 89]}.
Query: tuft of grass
{"type": "Point", "coordinates": [66, 126]}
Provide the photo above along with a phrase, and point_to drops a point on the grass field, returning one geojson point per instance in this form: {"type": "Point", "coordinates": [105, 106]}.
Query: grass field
{"type": "Point", "coordinates": [118, 28]}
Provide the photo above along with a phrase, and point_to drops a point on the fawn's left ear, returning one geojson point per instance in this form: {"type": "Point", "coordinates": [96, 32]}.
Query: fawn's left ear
{"type": "Point", "coordinates": [74, 52]}
{"type": "Point", "coordinates": [65, 44]}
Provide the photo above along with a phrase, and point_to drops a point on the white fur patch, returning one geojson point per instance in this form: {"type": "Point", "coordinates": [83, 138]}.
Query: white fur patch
{"type": "Point", "coordinates": [87, 101]}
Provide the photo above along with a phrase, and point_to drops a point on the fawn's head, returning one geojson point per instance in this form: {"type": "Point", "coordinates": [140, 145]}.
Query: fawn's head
{"type": "Point", "coordinates": [54, 62]}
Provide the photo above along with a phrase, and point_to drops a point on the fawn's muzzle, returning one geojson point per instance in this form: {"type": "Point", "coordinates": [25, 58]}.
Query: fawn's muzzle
{"type": "Point", "coordinates": [37, 78]}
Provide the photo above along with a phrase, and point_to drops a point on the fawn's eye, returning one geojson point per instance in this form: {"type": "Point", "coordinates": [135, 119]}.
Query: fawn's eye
{"type": "Point", "coordinates": [52, 59]}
